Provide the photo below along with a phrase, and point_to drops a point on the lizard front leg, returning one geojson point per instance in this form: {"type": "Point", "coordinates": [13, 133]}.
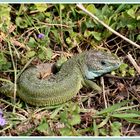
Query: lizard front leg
{"type": "Point", "coordinates": [92, 85]}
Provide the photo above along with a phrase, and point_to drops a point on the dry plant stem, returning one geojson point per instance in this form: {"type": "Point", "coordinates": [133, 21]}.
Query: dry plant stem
{"type": "Point", "coordinates": [131, 59]}
{"type": "Point", "coordinates": [131, 130]}
{"type": "Point", "coordinates": [6, 128]}
{"type": "Point", "coordinates": [61, 25]}
{"type": "Point", "coordinates": [105, 25]}
{"type": "Point", "coordinates": [5, 80]}
{"type": "Point", "coordinates": [102, 82]}
{"type": "Point", "coordinates": [15, 71]}
{"type": "Point", "coordinates": [46, 24]}
{"type": "Point", "coordinates": [17, 107]}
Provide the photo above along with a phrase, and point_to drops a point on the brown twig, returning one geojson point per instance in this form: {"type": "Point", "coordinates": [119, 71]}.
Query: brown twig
{"type": "Point", "coordinates": [131, 59]}
{"type": "Point", "coordinates": [102, 82]}
{"type": "Point", "coordinates": [117, 77]}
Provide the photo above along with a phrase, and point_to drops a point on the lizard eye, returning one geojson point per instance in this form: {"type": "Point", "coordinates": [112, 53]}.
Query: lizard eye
{"type": "Point", "coordinates": [103, 63]}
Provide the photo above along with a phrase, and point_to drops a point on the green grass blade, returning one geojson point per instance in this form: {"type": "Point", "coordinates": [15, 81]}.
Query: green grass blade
{"type": "Point", "coordinates": [133, 111]}
{"type": "Point", "coordinates": [95, 129]}
{"type": "Point", "coordinates": [125, 115]}
{"type": "Point", "coordinates": [112, 108]}
{"type": "Point", "coordinates": [133, 120]}
{"type": "Point", "coordinates": [104, 122]}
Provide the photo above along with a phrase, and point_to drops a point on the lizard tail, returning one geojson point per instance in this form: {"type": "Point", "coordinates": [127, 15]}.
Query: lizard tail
{"type": "Point", "coordinates": [7, 89]}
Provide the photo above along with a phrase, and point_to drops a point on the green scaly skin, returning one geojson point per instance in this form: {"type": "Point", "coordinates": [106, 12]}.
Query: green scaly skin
{"type": "Point", "coordinates": [61, 87]}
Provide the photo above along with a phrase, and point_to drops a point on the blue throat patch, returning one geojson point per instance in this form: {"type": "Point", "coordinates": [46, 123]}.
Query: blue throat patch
{"type": "Point", "coordinates": [91, 74]}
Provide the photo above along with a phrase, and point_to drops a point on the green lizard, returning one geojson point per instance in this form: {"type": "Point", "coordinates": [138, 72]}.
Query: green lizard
{"type": "Point", "coordinates": [65, 84]}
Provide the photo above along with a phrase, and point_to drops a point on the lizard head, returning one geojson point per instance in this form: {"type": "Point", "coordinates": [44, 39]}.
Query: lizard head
{"type": "Point", "coordinates": [99, 63]}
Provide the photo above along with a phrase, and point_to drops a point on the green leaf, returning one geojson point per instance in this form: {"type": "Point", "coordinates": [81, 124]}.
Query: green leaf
{"type": "Point", "coordinates": [22, 10]}
{"type": "Point", "coordinates": [125, 115]}
{"type": "Point", "coordinates": [131, 12]}
{"type": "Point", "coordinates": [137, 121]}
{"type": "Point", "coordinates": [55, 112]}
{"type": "Point", "coordinates": [87, 33]}
{"type": "Point", "coordinates": [97, 35]}
{"type": "Point", "coordinates": [138, 17]}
{"type": "Point", "coordinates": [5, 14]}
{"type": "Point", "coordinates": [88, 24]}
{"type": "Point", "coordinates": [41, 7]}
{"type": "Point", "coordinates": [104, 122]}
{"type": "Point", "coordinates": [60, 62]}
{"type": "Point", "coordinates": [138, 37]}
{"type": "Point", "coordinates": [74, 108]}
{"type": "Point", "coordinates": [112, 108]}
{"type": "Point", "coordinates": [32, 42]}
{"type": "Point", "coordinates": [103, 132]}
{"type": "Point", "coordinates": [43, 126]}
{"type": "Point", "coordinates": [4, 64]}
{"type": "Point", "coordinates": [49, 53]}
{"type": "Point", "coordinates": [105, 9]}
{"type": "Point", "coordinates": [123, 68]}
{"type": "Point", "coordinates": [3, 60]}
{"type": "Point", "coordinates": [62, 6]}
{"type": "Point", "coordinates": [91, 8]}
{"type": "Point", "coordinates": [66, 132]}
{"type": "Point", "coordinates": [131, 71]}
{"type": "Point", "coordinates": [42, 56]}
{"type": "Point", "coordinates": [22, 23]}
{"type": "Point", "coordinates": [30, 54]}
{"type": "Point", "coordinates": [75, 119]}
{"type": "Point", "coordinates": [120, 8]}
{"type": "Point", "coordinates": [68, 40]}
{"type": "Point", "coordinates": [95, 128]}
{"type": "Point", "coordinates": [64, 117]}
{"type": "Point", "coordinates": [116, 129]}
{"type": "Point", "coordinates": [133, 111]}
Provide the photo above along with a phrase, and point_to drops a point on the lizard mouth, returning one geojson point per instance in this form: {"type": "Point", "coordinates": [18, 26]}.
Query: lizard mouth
{"type": "Point", "coordinates": [91, 74]}
{"type": "Point", "coordinates": [108, 69]}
